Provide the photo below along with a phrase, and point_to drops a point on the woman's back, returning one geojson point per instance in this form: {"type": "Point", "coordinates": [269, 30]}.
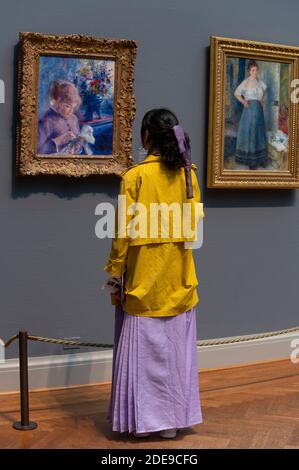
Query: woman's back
{"type": "Point", "coordinates": [160, 277]}
{"type": "Point", "coordinates": [160, 280]}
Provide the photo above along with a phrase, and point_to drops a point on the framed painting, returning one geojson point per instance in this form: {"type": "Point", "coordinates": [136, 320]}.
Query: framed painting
{"type": "Point", "coordinates": [75, 105]}
{"type": "Point", "coordinates": [253, 115]}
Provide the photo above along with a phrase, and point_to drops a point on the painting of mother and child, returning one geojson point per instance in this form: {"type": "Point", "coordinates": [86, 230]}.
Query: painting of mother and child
{"type": "Point", "coordinates": [257, 98]}
{"type": "Point", "coordinates": [75, 106]}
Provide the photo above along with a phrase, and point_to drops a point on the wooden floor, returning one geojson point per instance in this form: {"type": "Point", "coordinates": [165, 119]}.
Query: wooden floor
{"type": "Point", "coordinates": [254, 406]}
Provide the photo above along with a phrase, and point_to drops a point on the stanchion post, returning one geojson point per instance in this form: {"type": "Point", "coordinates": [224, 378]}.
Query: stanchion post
{"type": "Point", "coordinates": [24, 424]}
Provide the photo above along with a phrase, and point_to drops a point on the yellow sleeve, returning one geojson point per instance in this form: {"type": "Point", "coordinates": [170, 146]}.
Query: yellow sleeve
{"type": "Point", "coordinates": [116, 263]}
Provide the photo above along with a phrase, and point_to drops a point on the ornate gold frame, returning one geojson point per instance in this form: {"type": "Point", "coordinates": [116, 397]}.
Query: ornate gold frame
{"type": "Point", "coordinates": [218, 176]}
{"type": "Point", "coordinates": [32, 46]}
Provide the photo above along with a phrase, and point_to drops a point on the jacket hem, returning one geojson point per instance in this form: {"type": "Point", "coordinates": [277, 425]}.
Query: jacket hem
{"type": "Point", "coordinates": [147, 241]}
{"type": "Point", "coordinates": [161, 312]}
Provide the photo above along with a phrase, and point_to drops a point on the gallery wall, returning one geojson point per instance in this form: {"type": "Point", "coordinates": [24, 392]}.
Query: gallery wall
{"type": "Point", "coordinates": [51, 261]}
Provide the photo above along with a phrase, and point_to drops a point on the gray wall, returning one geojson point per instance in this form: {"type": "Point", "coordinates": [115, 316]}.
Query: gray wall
{"type": "Point", "coordinates": [51, 261]}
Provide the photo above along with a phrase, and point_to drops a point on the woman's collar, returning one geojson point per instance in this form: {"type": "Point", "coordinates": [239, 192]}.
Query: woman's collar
{"type": "Point", "coordinates": [152, 157]}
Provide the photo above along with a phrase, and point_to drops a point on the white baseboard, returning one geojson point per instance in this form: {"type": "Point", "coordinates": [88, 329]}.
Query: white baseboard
{"type": "Point", "coordinates": [96, 367]}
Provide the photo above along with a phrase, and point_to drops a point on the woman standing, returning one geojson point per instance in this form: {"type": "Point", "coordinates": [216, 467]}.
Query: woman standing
{"type": "Point", "coordinates": [251, 147]}
{"type": "Point", "coordinates": [155, 372]}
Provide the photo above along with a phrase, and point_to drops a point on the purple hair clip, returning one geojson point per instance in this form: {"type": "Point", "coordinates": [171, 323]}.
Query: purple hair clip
{"type": "Point", "coordinates": [185, 152]}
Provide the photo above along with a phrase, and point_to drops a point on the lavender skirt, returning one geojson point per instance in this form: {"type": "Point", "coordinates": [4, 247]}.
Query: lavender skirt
{"type": "Point", "coordinates": [154, 373]}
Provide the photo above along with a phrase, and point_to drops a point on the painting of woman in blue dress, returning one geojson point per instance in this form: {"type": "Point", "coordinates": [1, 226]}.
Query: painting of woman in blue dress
{"type": "Point", "coordinates": [257, 97]}
{"type": "Point", "coordinates": [251, 146]}
{"type": "Point", "coordinates": [75, 106]}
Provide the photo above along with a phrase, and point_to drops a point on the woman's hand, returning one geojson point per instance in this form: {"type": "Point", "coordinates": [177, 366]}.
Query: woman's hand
{"type": "Point", "coordinates": [245, 103]}
{"type": "Point", "coordinates": [64, 139]}
{"type": "Point", "coordinates": [114, 285]}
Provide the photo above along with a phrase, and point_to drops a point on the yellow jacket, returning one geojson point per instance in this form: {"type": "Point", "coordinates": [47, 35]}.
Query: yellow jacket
{"type": "Point", "coordinates": [160, 276]}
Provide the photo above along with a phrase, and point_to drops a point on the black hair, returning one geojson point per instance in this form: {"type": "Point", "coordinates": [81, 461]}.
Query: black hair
{"type": "Point", "coordinates": [158, 123]}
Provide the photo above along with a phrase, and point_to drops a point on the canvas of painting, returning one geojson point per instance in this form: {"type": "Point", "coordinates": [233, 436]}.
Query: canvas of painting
{"type": "Point", "coordinates": [256, 114]}
{"type": "Point", "coordinates": [75, 106]}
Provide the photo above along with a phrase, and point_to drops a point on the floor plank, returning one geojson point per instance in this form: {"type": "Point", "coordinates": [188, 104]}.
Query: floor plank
{"type": "Point", "coordinates": [252, 406]}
